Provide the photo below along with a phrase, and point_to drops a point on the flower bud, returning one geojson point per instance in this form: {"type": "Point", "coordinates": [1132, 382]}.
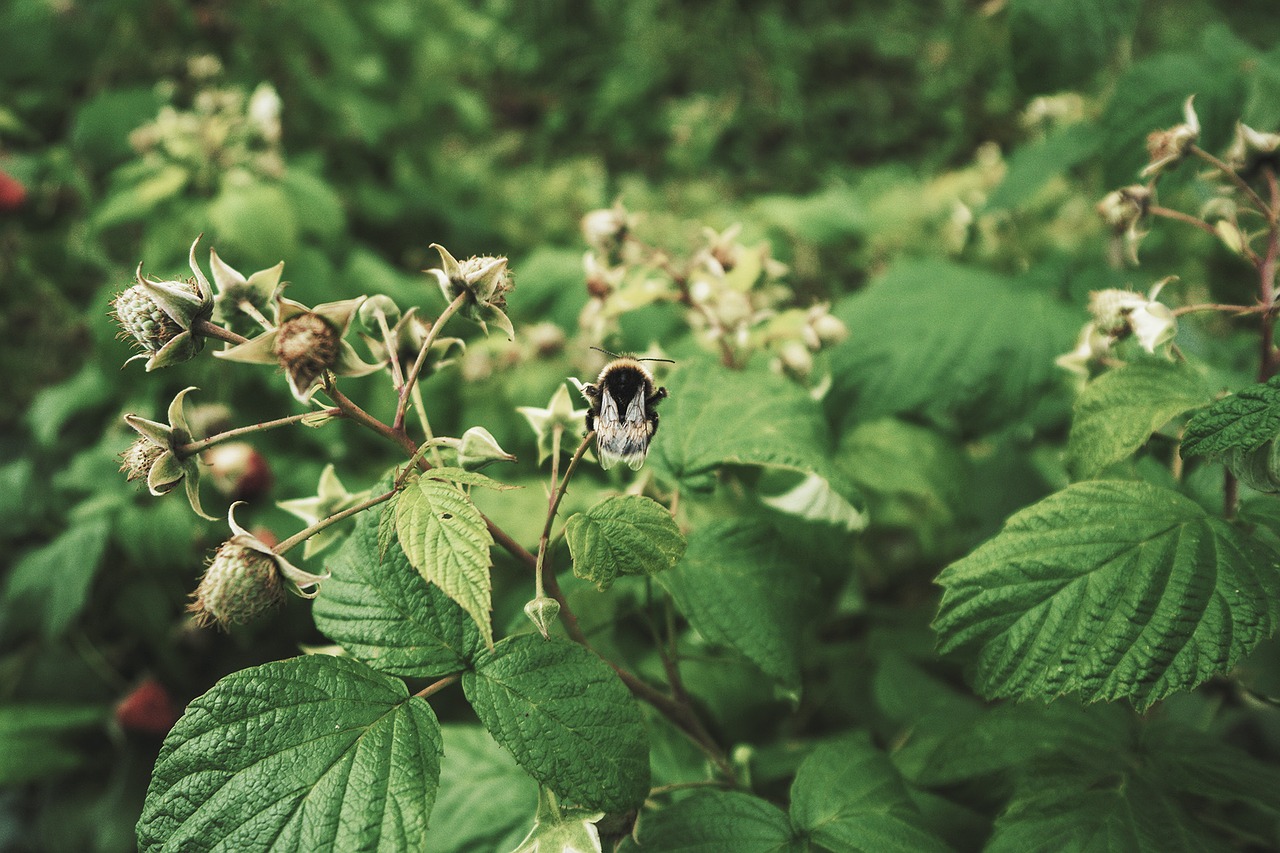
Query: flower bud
{"type": "Point", "coordinates": [1124, 209]}
{"type": "Point", "coordinates": [1251, 149]}
{"type": "Point", "coordinates": [240, 584]}
{"type": "Point", "coordinates": [542, 612]}
{"type": "Point", "coordinates": [1169, 147]}
{"type": "Point", "coordinates": [829, 329]}
{"type": "Point", "coordinates": [478, 448]}
{"type": "Point", "coordinates": [604, 230]}
{"type": "Point", "coordinates": [142, 319]}
{"type": "Point", "coordinates": [159, 315]}
{"type": "Point", "coordinates": [796, 358]}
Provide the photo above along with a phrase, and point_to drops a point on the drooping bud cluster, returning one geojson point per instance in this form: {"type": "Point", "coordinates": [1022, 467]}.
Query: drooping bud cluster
{"type": "Point", "coordinates": [1117, 315]}
{"type": "Point", "coordinates": [172, 464]}
{"type": "Point", "coordinates": [1170, 146]}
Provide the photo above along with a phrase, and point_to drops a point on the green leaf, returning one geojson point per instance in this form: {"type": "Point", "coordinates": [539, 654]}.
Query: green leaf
{"type": "Point", "coordinates": [849, 797]}
{"type": "Point", "coordinates": [1063, 44]}
{"type": "Point", "coordinates": [1117, 412]}
{"type": "Point", "coordinates": [717, 820]}
{"type": "Point", "coordinates": [382, 611]}
{"type": "Point", "coordinates": [54, 407]}
{"type": "Point", "coordinates": [255, 223]}
{"type": "Point", "coordinates": [486, 801]}
{"type": "Point", "coordinates": [1078, 811]}
{"type": "Point", "coordinates": [1035, 164]}
{"type": "Point", "coordinates": [312, 753]}
{"type": "Point", "coordinates": [567, 719]}
{"type": "Point", "coordinates": [1244, 421]}
{"type": "Point", "coordinates": [1113, 589]}
{"type": "Point", "coordinates": [447, 541]}
{"type": "Point", "coordinates": [317, 207]}
{"type": "Point", "coordinates": [624, 535]}
{"type": "Point", "coordinates": [739, 587]}
{"type": "Point", "coordinates": [956, 346]}
{"type": "Point", "coordinates": [51, 584]}
{"type": "Point", "coordinates": [135, 200]}
{"type": "Point", "coordinates": [31, 738]}
{"type": "Point", "coordinates": [464, 477]}
{"type": "Point", "coordinates": [1186, 760]}
{"type": "Point", "coordinates": [717, 417]}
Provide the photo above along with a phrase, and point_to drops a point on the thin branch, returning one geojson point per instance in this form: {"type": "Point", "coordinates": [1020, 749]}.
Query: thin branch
{"type": "Point", "coordinates": [213, 330]}
{"type": "Point", "coordinates": [430, 339]}
{"type": "Point", "coordinates": [303, 535]}
{"type": "Point", "coordinates": [1230, 174]}
{"type": "Point", "coordinates": [436, 686]}
{"type": "Point", "coordinates": [194, 447]}
{"type": "Point", "coordinates": [553, 502]}
{"type": "Point", "coordinates": [366, 420]}
{"type": "Point", "coordinates": [1170, 213]}
{"type": "Point", "coordinates": [1215, 306]}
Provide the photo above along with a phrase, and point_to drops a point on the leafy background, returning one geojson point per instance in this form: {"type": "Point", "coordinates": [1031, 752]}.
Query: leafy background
{"type": "Point", "coordinates": [885, 152]}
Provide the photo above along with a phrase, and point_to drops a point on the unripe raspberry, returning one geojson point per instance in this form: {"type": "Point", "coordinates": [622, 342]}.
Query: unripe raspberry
{"type": "Point", "coordinates": [238, 471]}
{"type": "Point", "coordinates": [143, 320]}
{"type": "Point", "coordinates": [240, 584]}
{"type": "Point", "coordinates": [307, 346]}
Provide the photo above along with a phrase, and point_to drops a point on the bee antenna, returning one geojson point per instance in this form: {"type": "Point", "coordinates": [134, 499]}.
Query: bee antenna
{"type": "Point", "coordinates": [606, 352]}
{"type": "Point", "coordinates": [667, 360]}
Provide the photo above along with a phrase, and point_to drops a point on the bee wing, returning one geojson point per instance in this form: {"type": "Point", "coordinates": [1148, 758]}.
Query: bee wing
{"type": "Point", "coordinates": [607, 457]}
{"type": "Point", "coordinates": [608, 407]}
{"type": "Point", "coordinates": [635, 409]}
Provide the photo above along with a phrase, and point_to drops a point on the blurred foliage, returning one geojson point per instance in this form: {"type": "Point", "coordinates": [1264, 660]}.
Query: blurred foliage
{"type": "Point", "coordinates": [948, 153]}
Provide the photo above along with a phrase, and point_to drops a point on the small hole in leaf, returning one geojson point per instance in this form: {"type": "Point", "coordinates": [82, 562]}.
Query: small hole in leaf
{"type": "Point", "coordinates": [446, 515]}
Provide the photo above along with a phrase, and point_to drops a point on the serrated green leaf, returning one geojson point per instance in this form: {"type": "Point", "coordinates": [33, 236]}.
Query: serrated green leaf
{"type": "Point", "coordinates": [1113, 589]}
{"type": "Point", "coordinates": [849, 797]}
{"type": "Point", "coordinates": [313, 753]}
{"type": "Point", "coordinates": [466, 478]}
{"type": "Point", "coordinates": [1244, 421]}
{"type": "Point", "coordinates": [1116, 413]}
{"type": "Point", "coordinates": [717, 820]}
{"type": "Point", "coordinates": [1079, 811]}
{"type": "Point", "coordinates": [51, 584]}
{"type": "Point", "coordinates": [717, 417]}
{"type": "Point", "coordinates": [1062, 44]}
{"type": "Point", "coordinates": [382, 611]}
{"type": "Point", "coordinates": [567, 719]}
{"type": "Point", "coordinates": [1186, 760]}
{"type": "Point", "coordinates": [447, 541]}
{"type": "Point", "coordinates": [486, 801]}
{"type": "Point", "coordinates": [387, 527]}
{"type": "Point", "coordinates": [954, 345]}
{"type": "Point", "coordinates": [738, 587]}
{"type": "Point", "coordinates": [623, 535]}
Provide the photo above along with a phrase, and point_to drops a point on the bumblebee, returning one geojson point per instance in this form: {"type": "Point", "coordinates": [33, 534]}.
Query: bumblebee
{"type": "Point", "coordinates": [622, 410]}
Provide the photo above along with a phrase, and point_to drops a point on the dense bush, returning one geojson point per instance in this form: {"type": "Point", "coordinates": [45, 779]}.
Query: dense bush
{"type": "Point", "coordinates": [904, 568]}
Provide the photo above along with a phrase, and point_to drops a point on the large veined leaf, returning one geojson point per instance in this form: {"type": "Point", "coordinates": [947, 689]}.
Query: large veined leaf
{"type": "Point", "coordinates": [717, 417]}
{"type": "Point", "coordinates": [717, 820]}
{"type": "Point", "coordinates": [1113, 589]}
{"type": "Point", "coordinates": [1243, 422]}
{"type": "Point", "coordinates": [1117, 412]}
{"type": "Point", "coordinates": [737, 586]}
{"type": "Point", "coordinates": [377, 607]}
{"type": "Point", "coordinates": [849, 797]}
{"type": "Point", "coordinates": [623, 535]}
{"type": "Point", "coordinates": [1062, 44]}
{"type": "Point", "coordinates": [486, 801]}
{"type": "Point", "coordinates": [314, 753]}
{"type": "Point", "coordinates": [446, 539]}
{"type": "Point", "coordinates": [566, 718]}
{"type": "Point", "coordinates": [948, 343]}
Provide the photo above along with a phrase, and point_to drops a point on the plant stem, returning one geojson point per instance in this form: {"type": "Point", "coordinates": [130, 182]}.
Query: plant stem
{"type": "Point", "coordinates": [351, 410]}
{"type": "Point", "coordinates": [194, 447]}
{"type": "Point", "coordinates": [1231, 175]}
{"type": "Point", "coordinates": [1215, 306]}
{"type": "Point", "coordinates": [1170, 213]}
{"type": "Point", "coordinates": [213, 330]}
{"type": "Point", "coordinates": [1267, 280]}
{"type": "Point", "coordinates": [430, 339]}
{"type": "Point", "coordinates": [553, 502]}
{"type": "Point", "coordinates": [303, 535]}
{"type": "Point", "coordinates": [436, 686]}
{"type": "Point", "coordinates": [393, 350]}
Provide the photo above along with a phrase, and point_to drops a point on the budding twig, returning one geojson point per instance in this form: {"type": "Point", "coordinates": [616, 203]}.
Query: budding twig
{"type": "Point", "coordinates": [412, 377]}
{"type": "Point", "coordinates": [194, 447]}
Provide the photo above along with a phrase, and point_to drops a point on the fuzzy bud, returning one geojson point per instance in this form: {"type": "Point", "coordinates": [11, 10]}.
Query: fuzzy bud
{"type": "Point", "coordinates": [1171, 146]}
{"type": "Point", "coordinates": [240, 584]}
{"type": "Point", "coordinates": [1124, 209]}
{"type": "Point", "coordinates": [137, 460]}
{"type": "Point", "coordinates": [142, 319]}
{"type": "Point", "coordinates": [796, 358]}
{"type": "Point", "coordinates": [307, 346]}
{"type": "Point", "coordinates": [478, 448]}
{"type": "Point", "coordinates": [829, 329]}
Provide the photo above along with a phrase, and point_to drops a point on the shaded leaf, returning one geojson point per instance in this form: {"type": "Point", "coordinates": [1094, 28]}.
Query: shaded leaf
{"type": "Point", "coordinates": [717, 820]}
{"type": "Point", "coordinates": [1244, 421]}
{"type": "Point", "coordinates": [623, 535]}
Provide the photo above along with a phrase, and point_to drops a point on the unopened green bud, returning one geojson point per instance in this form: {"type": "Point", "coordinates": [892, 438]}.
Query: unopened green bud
{"type": "Point", "coordinates": [542, 612]}
{"type": "Point", "coordinates": [240, 584]}
{"type": "Point", "coordinates": [478, 448]}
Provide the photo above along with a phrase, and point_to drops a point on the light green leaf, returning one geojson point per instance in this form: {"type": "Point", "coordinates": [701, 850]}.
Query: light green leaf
{"type": "Point", "coordinates": [1113, 589]}
{"type": "Point", "coordinates": [1244, 421]}
{"type": "Point", "coordinates": [738, 587]}
{"type": "Point", "coordinates": [717, 417]}
{"type": "Point", "coordinates": [1079, 811]}
{"type": "Point", "coordinates": [313, 753]}
{"type": "Point", "coordinates": [466, 478]}
{"type": "Point", "coordinates": [714, 821]}
{"type": "Point", "coordinates": [52, 583]}
{"type": "Point", "coordinates": [254, 222]}
{"type": "Point", "coordinates": [387, 527]}
{"type": "Point", "coordinates": [382, 611]}
{"type": "Point", "coordinates": [1063, 44]}
{"type": "Point", "coordinates": [317, 207]}
{"type": "Point", "coordinates": [1117, 412]}
{"type": "Point", "coordinates": [486, 800]}
{"type": "Point", "coordinates": [133, 201]}
{"type": "Point", "coordinates": [623, 535]}
{"type": "Point", "coordinates": [31, 739]}
{"type": "Point", "coordinates": [447, 541]}
{"type": "Point", "coordinates": [1034, 164]}
{"type": "Point", "coordinates": [567, 719]}
{"type": "Point", "coordinates": [849, 797]}
{"type": "Point", "coordinates": [954, 345]}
